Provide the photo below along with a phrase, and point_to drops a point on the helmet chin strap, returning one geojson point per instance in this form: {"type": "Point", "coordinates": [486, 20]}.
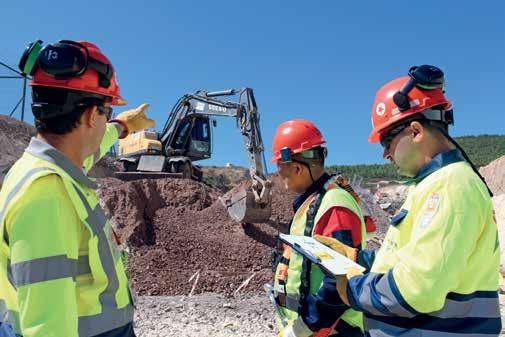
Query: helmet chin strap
{"type": "Point", "coordinates": [310, 172]}
{"type": "Point", "coordinates": [307, 166]}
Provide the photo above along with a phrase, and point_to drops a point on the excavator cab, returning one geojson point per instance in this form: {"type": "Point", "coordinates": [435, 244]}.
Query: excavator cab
{"type": "Point", "coordinates": [193, 137]}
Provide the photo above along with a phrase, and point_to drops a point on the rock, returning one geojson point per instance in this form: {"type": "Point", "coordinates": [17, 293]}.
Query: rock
{"type": "Point", "coordinates": [494, 173]}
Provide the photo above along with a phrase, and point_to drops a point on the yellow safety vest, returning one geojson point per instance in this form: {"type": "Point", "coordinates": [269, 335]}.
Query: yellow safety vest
{"type": "Point", "coordinates": [61, 273]}
{"type": "Point", "coordinates": [298, 274]}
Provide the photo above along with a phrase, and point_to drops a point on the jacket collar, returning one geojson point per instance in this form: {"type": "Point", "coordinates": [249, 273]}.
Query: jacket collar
{"type": "Point", "coordinates": [316, 186]}
{"type": "Point", "coordinates": [44, 151]}
{"type": "Point", "coordinates": [440, 160]}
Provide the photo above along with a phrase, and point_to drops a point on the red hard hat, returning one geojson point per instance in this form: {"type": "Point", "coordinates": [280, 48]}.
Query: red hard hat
{"type": "Point", "coordinates": [86, 82]}
{"type": "Point", "coordinates": [298, 135]}
{"type": "Point", "coordinates": [385, 113]}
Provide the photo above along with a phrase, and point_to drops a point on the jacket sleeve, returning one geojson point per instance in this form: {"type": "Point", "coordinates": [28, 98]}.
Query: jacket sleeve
{"type": "Point", "coordinates": [111, 135]}
{"type": "Point", "coordinates": [325, 307]}
{"type": "Point", "coordinates": [365, 258]}
{"type": "Point", "coordinates": [431, 263]}
{"type": "Point", "coordinates": [43, 259]}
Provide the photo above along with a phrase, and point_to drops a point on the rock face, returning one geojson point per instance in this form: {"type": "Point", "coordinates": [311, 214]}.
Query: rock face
{"type": "Point", "coordinates": [499, 208]}
{"type": "Point", "coordinates": [494, 173]}
{"type": "Point", "coordinates": [14, 137]}
{"type": "Point", "coordinates": [391, 197]}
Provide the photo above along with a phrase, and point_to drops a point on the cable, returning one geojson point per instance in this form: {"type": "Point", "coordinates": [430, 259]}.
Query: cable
{"type": "Point", "coordinates": [446, 134]}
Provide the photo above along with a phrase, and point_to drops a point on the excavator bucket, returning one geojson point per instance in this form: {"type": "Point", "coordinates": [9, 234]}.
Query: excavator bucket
{"type": "Point", "coordinates": [242, 206]}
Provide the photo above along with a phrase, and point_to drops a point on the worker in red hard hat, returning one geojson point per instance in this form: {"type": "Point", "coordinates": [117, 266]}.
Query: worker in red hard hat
{"type": "Point", "coordinates": [306, 299]}
{"type": "Point", "coordinates": [62, 272]}
{"type": "Point", "coordinates": [436, 273]}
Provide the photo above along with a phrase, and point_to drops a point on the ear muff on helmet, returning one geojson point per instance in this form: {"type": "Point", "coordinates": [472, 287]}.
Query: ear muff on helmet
{"type": "Point", "coordinates": [426, 77]}
{"type": "Point", "coordinates": [28, 62]}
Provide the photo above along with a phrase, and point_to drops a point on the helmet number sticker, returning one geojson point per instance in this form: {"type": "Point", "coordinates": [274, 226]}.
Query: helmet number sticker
{"type": "Point", "coordinates": [52, 54]}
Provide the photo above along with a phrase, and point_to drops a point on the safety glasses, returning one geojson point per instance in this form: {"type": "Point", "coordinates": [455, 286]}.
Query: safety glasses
{"type": "Point", "coordinates": [105, 110]}
{"type": "Point", "coordinates": [425, 77]}
{"type": "Point", "coordinates": [388, 138]}
{"type": "Point", "coordinates": [63, 60]}
{"type": "Point", "coordinates": [319, 152]}
{"type": "Point", "coordinates": [102, 109]}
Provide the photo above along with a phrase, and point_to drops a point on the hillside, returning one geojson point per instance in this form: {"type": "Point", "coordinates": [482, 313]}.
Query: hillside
{"type": "Point", "coordinates": [481, 149]}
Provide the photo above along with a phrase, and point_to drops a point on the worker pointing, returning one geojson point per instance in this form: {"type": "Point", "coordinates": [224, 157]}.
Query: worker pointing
{"type": "Point", "coordinates": [61, 273]}
{"type": "Point", "coordinates": [306, 299]}
{"type": "Point", "coordinates": [436, 273]}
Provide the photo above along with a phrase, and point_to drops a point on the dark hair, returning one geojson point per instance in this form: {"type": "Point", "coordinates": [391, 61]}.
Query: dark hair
{"type": "Point", "coordinates": [72, 102]}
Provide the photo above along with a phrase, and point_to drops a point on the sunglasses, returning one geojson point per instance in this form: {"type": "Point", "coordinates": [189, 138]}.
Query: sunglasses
{"type": "Point", "coordinates": [388, 138]}
{"type": "Point", "coordinates": [105, 110]}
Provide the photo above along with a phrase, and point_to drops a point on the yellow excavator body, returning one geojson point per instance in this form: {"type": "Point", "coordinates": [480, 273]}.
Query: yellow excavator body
{"type": "Point", "coordinates": [138, 143]}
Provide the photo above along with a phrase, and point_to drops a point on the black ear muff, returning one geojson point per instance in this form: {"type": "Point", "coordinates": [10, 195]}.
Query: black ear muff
{"type": "Point", "coordinates": [427, 77]}
{"type": "Point", "coordinates": [28, 62]}
{"type": "Point", "coordinates": [449, 117]}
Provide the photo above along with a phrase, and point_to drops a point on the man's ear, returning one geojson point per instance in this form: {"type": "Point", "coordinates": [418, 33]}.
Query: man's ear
{"type": "Point", "coordinates": [90, 117]}
{"type": "Point", "coordinates": [299, 169]}
{"type": "Point", "coordinates": [418, 131]}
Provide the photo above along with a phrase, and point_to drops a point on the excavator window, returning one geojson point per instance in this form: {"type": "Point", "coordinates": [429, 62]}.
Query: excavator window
{"type": "Point", "coordinates": [200, 138]}
{"type": "Point", "coordinates": [201, 130]}
{"type": "Point", "coordinates": [182, 135]}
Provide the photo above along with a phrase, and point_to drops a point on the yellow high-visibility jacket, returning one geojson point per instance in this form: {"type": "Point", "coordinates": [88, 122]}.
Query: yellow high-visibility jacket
{"type": "Point", "coordinates": [436, 273]}
{"type": "Point", "coordinates": [61, 273]}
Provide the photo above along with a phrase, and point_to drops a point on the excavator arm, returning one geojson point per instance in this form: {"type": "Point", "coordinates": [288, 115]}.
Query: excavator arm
{"type": "Point", "coordinates": [245, 204]}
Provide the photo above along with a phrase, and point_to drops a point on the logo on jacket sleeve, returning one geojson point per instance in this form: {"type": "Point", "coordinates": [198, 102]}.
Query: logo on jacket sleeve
{"type": "Point", "coordinates": [430, 210]}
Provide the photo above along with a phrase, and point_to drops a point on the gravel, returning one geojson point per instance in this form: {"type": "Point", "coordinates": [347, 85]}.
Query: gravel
{"type": "Point", "coordinates": [204, 315]}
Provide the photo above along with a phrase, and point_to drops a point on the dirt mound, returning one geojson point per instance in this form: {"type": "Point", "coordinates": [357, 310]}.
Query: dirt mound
{"type": "Point", "coordinates": [178, 228]}
{"type": "Point", "coordinates": [178, 232]}
{"type": "Point", "coordinates": [14, 137]}
{"type": "Point", "coordinates": [494, 173]}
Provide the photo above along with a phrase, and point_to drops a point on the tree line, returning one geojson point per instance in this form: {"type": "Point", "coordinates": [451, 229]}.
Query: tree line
{"type": "Point", "coordinates": [481, 149]}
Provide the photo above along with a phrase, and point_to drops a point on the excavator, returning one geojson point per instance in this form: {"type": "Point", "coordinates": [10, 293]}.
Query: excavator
{"type": "Point", "coordinates": [187, 137]}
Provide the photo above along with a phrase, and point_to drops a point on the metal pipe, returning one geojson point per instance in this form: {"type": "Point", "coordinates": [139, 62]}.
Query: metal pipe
{"type": "Point", "coordinates": [12, 112]}
{"type": "Point", "coordinates": [23, 98]}
{"type": "Point", "coordinates": [10, 68]}
{"type": "Point", "coordinates": [228, 92]}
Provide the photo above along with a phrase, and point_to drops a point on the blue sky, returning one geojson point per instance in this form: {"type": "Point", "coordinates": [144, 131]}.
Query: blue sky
{"type": "Point", "coordinates": [319, 60]}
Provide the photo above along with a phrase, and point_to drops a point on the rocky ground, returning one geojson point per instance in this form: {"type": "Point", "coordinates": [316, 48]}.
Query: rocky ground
{"type": "Point", "coordinates": [211, 315]}
{"type": "Point", "coordinates": [204, 315]}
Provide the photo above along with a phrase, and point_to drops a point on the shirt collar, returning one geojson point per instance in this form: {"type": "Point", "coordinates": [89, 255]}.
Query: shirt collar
{"type": "Point", "coordinates": [44, 151]}
{"type": "Point", "coordinates": [439, 161]}
{"type": "Point", "coordinates": [316, 186]}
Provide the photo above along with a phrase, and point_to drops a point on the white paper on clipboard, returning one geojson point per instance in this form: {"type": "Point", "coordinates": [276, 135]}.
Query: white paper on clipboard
{"type": "Point", "coordinates": [320, 254]}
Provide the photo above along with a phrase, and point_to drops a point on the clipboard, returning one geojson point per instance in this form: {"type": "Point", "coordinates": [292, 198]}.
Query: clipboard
{"type": "Point", "coordinates": [326, 258]}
